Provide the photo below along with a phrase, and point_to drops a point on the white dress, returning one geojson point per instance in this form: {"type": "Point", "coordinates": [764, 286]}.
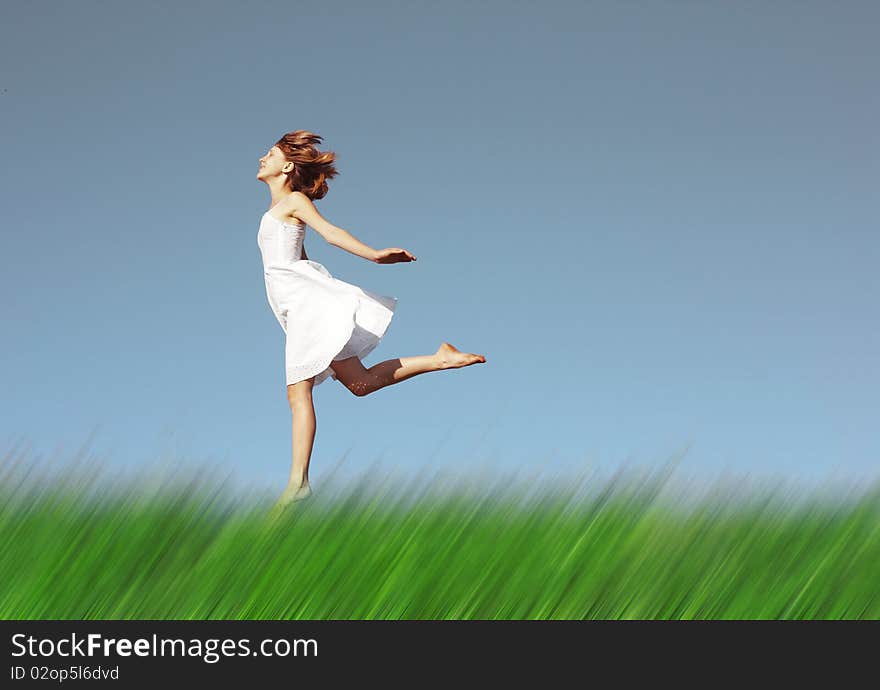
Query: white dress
{"type": "Point", "coordinates": [324, 318]}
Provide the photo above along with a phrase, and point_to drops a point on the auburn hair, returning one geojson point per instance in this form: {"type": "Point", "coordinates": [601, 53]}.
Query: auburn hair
{"type": "Point", "coordinates": [312, 168]}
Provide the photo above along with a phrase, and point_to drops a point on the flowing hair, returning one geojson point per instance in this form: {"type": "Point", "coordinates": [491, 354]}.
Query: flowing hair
{"type": "Point", "coordinates": [312, 168]}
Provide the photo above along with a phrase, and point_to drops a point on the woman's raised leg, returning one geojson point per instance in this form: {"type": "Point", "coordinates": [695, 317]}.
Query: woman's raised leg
{"type": "Point", "coordinates": [362, 381]}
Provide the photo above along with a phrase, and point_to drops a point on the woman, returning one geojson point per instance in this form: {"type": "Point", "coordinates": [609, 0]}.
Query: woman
{"type": "Point", "coordinates": [330, 325]}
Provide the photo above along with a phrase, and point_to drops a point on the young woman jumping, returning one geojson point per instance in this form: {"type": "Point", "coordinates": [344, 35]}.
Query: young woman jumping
{"type": "Point", "coordinates": [330, 325]}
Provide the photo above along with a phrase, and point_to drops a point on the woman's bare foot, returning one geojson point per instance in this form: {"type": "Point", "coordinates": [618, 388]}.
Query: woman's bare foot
{"type": "Point", "coordinates": [452, 358]}
{"type": "Point", "coordinates": [291, 494]}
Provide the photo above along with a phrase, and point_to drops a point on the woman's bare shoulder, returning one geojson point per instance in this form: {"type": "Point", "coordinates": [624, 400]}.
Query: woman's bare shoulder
{"type": "Point", "coordinates": [296, 203]}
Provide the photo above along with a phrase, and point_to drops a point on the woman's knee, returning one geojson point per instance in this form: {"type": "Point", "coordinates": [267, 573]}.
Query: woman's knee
{"type": "Point", "coordinates": [300, 394]}
{"type": "Point", "coordinates": [350, 372]}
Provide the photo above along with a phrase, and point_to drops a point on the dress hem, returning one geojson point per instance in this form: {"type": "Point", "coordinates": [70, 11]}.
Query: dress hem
{"type": "Point", "coordinates": [326, 371]}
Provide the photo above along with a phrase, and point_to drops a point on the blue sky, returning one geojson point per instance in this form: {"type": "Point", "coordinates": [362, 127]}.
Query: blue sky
{"type": "Point", "coordinates": [657, 220]}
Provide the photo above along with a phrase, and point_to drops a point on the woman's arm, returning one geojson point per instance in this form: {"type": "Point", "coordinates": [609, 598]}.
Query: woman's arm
{"type": "Point", "coordinates": [303, 209]}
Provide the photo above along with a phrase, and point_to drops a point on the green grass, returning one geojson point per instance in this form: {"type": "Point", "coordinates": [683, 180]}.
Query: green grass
{"type": "Point", "coordinates": [618, 549]}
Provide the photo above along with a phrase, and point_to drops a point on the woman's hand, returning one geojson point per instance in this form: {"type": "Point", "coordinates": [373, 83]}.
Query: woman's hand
{"type": "Point", "coordinates": [393, 255]}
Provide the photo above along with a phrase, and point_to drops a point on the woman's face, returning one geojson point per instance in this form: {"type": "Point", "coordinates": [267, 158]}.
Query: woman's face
{"type": "Point", "coordinates": [271, 163]}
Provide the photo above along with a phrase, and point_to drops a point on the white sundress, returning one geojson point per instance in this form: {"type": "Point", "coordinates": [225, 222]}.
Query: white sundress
{"type": "Point", "coordinates": [325, 319]}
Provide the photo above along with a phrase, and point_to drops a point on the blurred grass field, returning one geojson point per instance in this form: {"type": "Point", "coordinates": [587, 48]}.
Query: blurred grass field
{"type": "Point", "coordinates": [621, 548]}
